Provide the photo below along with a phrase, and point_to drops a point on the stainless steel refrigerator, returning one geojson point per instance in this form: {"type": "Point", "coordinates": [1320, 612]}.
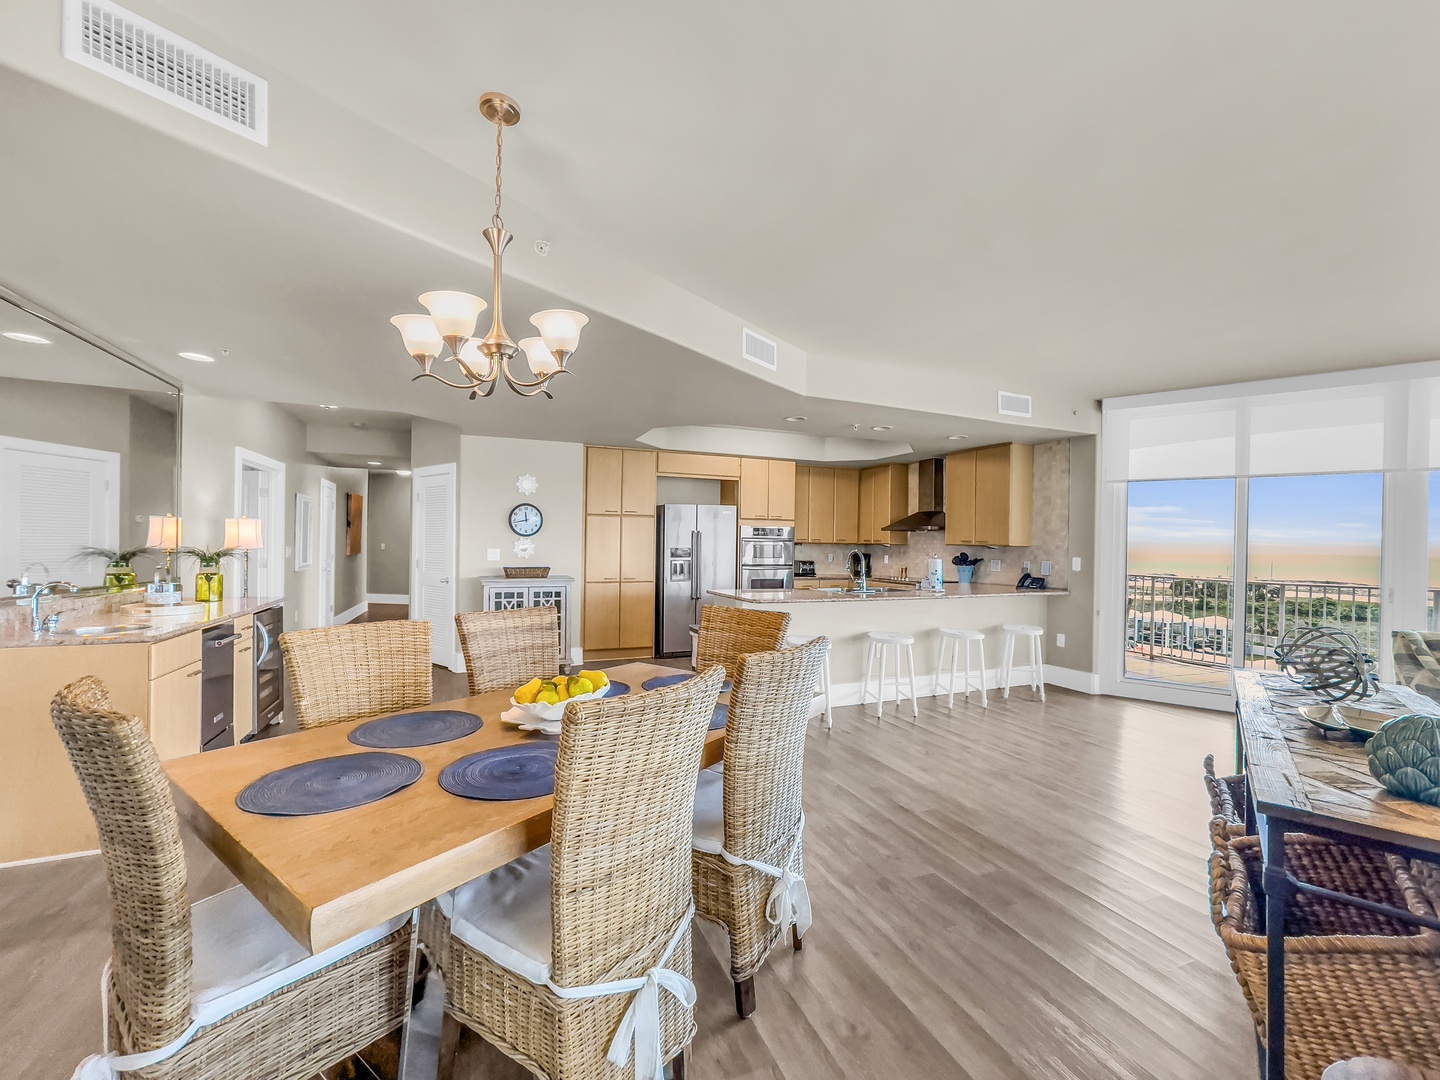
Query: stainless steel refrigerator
{"type": "Point", "coordinates": [697, 552]}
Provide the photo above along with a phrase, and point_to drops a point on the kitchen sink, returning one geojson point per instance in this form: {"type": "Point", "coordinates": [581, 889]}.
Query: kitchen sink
{"type": "Point", "coordinates": [864, 592]}
{"type": "Point", "coordinates": [99, 631]}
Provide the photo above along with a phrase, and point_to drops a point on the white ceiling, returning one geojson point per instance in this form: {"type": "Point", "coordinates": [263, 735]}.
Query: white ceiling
{"type": "Point", "coordinates": [1069, 200]}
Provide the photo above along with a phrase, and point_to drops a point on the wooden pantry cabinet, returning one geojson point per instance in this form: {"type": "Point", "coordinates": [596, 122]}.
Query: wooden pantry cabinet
{"type": "Point", "coordinates": [619, 482]}
{"type": "Point", "coordinates": [989, 495]}
{"type": "Point", "coordinates": [619, 588]}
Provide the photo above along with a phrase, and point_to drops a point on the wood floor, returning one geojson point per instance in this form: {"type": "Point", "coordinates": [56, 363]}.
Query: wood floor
{"type": "Point", "coordinates": [1018, 893]}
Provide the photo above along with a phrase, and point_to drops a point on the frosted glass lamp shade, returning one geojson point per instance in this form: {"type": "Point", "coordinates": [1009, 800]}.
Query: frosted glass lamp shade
{"type": "Point", "coordinates": [477, 361]}
{"type": "Point", "coordinates": [453, 313]}
{"type": "Point", "coordinates": [542, 361]}
{"type": "Point", "coordinates": [560, 329]}
{"type": "Point", "coordinates": [243, 533]}
{"type": "Point", "coordinates": [166, 533]}
{"type": "Point", "coordinates": [422, 339]}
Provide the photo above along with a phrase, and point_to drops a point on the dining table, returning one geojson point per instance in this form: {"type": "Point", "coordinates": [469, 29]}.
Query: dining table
{"type": "Point", "coordinates": [328, 877]}
{"type": "Point", "coordinates": [1299, 780]}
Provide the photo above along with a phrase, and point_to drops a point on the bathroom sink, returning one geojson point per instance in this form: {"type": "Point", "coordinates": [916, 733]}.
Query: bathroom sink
{"type": "Point", "coordinates": [99, 631]}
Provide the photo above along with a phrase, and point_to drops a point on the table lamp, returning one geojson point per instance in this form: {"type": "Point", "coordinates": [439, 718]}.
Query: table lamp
{"type": "Point", "coordinates": [167, 534]}
{"type": "Point", "coordinates": [243, 534]}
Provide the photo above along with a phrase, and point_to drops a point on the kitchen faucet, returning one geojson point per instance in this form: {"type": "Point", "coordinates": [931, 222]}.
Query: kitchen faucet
{"type": "Point", "coordinates": [854, 559]}
{"type": "Point", "coordinates": [46, 590]}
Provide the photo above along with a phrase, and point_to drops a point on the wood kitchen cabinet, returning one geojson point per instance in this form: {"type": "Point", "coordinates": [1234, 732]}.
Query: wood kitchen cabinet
{"type": "Point", "coordinates": [698, 466]}
{"type": "Point", "coordinates": [802, 505]}
{"type": "Point", "coordinates": [637, 615]}
{"type": "Point", "coordinates": [847, 506]}
{"type": "Point", "coordinates": [782, 490]}
{"type": "Point", "coordinates": [989, 495]}
{"type": "Point", "coordinates": [822, 506]}
{"type": "Point", "coordinates": [619, 549]}
{"type": "Point", "coordinates": [619, 616]}
{"type": "Point", "coordinates": [884, 497]}
{"type": "Point", "coordinates": [175, 712]}
{"type": "Point", "coordinates": [602, 616]}
{"type": "Point", "coordinates": [619, 481]}
{"type": "Point", "coordinates": [637, 482]}
{"type": "Point", "coordinates": [637, 549]}
{"type": "Point", "coordinates": [619, 590]}
{"type": "Point", "coordinates": [243, 713]}
{"type": "Point", "coordinates": [766, 490]}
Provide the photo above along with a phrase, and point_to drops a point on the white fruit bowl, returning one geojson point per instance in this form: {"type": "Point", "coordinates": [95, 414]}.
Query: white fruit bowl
{"type": "Point", "coordinates": [540, 713]}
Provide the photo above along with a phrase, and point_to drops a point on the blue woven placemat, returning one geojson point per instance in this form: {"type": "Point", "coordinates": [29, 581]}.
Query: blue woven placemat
{"type": "Point", "coordinates": [719, 717]}
{"type": "Point", "coordinates": [329, 784]}
{"type": "Point", "coordinates": [617, 689]}
{"type": "Point", "coordinates": [523, 771]}
{"type": "Point", "coordinates": [424, 728]}
{"type": "Point", "coordinates": [661, 681]}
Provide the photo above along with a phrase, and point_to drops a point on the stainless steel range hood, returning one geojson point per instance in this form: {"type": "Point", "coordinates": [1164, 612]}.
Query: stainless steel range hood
{"type": "Point", "coordinates": [930, 514]}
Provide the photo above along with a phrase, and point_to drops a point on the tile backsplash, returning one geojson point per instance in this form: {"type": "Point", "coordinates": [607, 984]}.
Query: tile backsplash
{"type": "Point", "coordinates": [1050, 536]}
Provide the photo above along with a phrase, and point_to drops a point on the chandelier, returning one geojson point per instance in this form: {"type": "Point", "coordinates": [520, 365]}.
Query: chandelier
{"type": "Point", "coordinates": [452, 318]}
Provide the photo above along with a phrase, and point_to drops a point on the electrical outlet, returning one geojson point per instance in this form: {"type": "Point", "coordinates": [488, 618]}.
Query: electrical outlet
{"type": "Point", "coordinates": [830, 557]}
{"type": "Point", "coordinates": [382, 548]}
{"type": "Point", "coordinates": [1059, 641]}
{"type": "Point", "coordinates": [139, 519]}
{"type": "Point", "coordinates": [289, 551]}
{"type": "Point", "coordinates": [492, 554]}
{"type": "Point", "coordinates": [1044, 566]}
{"type": "Point", "coordinates": [887, 558]}
{"type": "Point", "coordinates": [1026, 566]}
{"type": "Point", "coordinates": [995, 565]}
{"type": "Point", "coordinates": [1075, 564]}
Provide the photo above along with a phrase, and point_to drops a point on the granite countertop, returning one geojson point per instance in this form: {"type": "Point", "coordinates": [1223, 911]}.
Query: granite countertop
{"type": "Point", "coordinates": [16, 637]}
{"type": "Point", "coordinates": [818, 596]}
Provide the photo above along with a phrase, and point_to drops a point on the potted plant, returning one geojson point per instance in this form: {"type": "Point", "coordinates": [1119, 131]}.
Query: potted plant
{"type": "Point", "coordinates": [209, 581]}
{"type": "Point", "coordinates": [118, 572]}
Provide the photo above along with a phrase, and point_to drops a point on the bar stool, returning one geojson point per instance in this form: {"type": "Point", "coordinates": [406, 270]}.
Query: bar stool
{"type": "Point", "coordinates": [1035, 668]}
{"type": "Point", "coordinates": [956, 640]}
{"type": "Point", "coordinates": [792, 642]}
{"type": "Point", "coordinates": [880, 642]}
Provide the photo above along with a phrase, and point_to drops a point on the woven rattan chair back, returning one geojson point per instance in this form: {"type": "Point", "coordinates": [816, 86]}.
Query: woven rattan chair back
{"type": "Point", "coordinates": [361, 669]}
{"type": "Point", "coordinates": [765, 747]}
{"type": "Point", "coordinates": [728, 633]}
{"type": "Point", "coordinates": [624, 805]}
{"type": "Point", "coordinates": [504, 649]}
{"type": "Point", "coordinates": [129, 796]}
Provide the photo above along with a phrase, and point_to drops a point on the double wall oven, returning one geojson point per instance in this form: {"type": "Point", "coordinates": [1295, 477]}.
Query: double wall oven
{"type": "Point", "coordinates": [767, 557]}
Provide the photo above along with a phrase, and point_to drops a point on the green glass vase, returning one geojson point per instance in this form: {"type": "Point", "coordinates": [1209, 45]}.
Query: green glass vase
{"type": "Point", "coordinates": [209, 584]}
{"type": "Point", "coordinates": [119, 576]}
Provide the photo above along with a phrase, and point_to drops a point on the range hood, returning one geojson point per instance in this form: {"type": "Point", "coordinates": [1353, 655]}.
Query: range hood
{"type": "Point", "coordinates": [929, 516]}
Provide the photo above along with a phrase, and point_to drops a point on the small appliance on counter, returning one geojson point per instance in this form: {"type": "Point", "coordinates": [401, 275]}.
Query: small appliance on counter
{"type": "Point", "coordinates": [1029, 581]}
{"type": "Point", "coordinates": [805, 568]}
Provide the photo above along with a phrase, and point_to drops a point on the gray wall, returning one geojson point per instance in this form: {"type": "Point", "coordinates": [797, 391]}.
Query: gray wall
{"type": "Point", "coordinates": [388, 513]}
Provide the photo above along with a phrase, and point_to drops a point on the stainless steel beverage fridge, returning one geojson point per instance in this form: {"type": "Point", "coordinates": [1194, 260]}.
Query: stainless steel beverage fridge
{"type": "Point", "coordinates": [697, 553]}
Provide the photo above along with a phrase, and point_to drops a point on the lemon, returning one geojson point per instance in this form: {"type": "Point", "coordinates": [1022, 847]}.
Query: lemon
{"type": "Point", "coordinates": [597, 679]}
{"type": "Point", "coordinates": [580, 686]}
{"type": "Point", "coordinates": [548, 697]}
{"type": "Point", "coordinates": [527, 693]}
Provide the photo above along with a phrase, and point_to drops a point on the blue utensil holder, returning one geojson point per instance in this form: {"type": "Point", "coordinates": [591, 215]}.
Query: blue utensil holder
{"type": "Point", "coordinates": [967, 574]}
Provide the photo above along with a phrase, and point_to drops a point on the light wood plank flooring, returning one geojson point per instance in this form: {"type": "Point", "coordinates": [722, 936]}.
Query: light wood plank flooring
{"type": "Point", "coordinates": [1003, 894]}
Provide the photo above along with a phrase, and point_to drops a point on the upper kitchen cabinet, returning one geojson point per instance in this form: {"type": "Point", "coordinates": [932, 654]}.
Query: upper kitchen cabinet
{"type": "Point", "coordinates": [698, 466]}
{"type": "Point", "coordinates": [821, 508]}
{"type": "Point", "coordinates": [989, 495]}
{"type": "Point", "coordinates": [847, 506]}
{"type": "Point", "coordinates": [884, 497]}
{"type": "Point", "coordinates": [802, 505]}
{"type": "Point", "coordinates": [619, 481]}
{"type": "Point", "coordinates": [766, 490]}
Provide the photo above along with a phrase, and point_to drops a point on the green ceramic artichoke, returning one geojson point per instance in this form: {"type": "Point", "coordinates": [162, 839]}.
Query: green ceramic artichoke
{"type": "Point", "coordinates": [1405, 757]}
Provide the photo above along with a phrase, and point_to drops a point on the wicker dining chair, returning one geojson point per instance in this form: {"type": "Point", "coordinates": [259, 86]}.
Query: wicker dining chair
{"type": "Point", "coordinates": [504, 649]}
{"type": "Point", "coordinates": [749, 815]}
{"type": "Point", "coordinates": [218, 990]}
{"type": "Point", "coordinates": [608, 901]}
{"type": "Point", "coordinates": [728, 633]}
{"type": "Point", "coordinates": [357, 670]}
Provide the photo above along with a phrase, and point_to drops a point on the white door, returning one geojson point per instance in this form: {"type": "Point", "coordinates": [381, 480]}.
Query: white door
{"type": "Point", "coordinates": [432, 573]}
{"type": "Point", "coordinates": [55, 500]}
{"type": "Point", "coordinates": [327, 553]}
{"type": "Point", "coordinates": [260, 494]}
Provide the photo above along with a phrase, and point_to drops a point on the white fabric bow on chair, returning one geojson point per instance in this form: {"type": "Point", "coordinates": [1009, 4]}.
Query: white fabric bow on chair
{"type": "Point", "coordinates": [789, 901]}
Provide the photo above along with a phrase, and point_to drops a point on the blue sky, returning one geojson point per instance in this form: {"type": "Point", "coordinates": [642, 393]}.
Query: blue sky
{"type": "Point", "coordinates": [1286, 511]}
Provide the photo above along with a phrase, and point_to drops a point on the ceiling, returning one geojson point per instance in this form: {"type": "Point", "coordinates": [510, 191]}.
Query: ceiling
{"type": "Point", "coordinates": [921, 201]}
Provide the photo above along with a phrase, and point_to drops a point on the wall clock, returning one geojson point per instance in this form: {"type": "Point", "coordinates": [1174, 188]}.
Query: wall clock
{"type": "Point", "coordinates": [526, 519]}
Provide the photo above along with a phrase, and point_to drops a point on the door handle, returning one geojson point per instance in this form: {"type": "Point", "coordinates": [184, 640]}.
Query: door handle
{"type": "Point", "coordinates": [220, 643]}
{"type": "Point", "coordinates": [695, 564]}
{"type": "Point", "coordinates": [193, 675]}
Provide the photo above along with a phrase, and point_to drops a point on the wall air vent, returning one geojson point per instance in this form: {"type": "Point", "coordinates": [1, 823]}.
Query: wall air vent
{"type": "Point", "coordinates": [759, 350]}
{"type": "Point", "coordinates": [1013, 404]}
{"type": "Point", "coordinates": [119, 43]}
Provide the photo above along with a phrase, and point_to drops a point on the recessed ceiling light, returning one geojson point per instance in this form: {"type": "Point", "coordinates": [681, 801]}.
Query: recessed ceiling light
{"type": "Point", "coordinates": [795, 419]}
{"type": "Point", "coordinates": [883, 427]}
{"type": "Point", "coordinates": [28, 339]}
{"type": "Point", "coordinates": [373, 463]}
{"type": "Point", "coordinates": [956, 438]}
{"type": "Point", "coordinates": [330, 408]}
{"type": "Point", "coordinates": [402, 472]}
{"type": "Point", "coordinates": [198, 357]}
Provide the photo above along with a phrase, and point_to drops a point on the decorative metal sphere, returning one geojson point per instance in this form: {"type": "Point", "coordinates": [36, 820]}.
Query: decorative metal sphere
{"type": "Point", "coordinates": [1327, 660]}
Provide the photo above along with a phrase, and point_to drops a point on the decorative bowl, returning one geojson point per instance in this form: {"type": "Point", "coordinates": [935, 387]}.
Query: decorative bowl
{"type": "Point", "coordinates": [541, 713]}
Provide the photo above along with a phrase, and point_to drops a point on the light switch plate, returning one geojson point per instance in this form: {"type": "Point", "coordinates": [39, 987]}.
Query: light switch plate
{"type": "Point", "coordinates": [1044, 566]}
{"type": "Point", "coordinates": [289, 551]}
{"type": "Point", "coordinates": [830, 557]}
{"type": "Point", "coordinates": [887, 558]}
{"type": "Point", "coordinates": [492, 554]}
{"type": "Point", "coordinates": [1075, 564]}
{"type": "Point", "coordinates": [995, 565]}
{"type": "Point", "coordinates": [1059, 641]}
{"type": "Point", "coordinates": [382, 548]}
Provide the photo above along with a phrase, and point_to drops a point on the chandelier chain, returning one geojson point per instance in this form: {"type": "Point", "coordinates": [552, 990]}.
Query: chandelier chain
{"type": "Point", "coordinates": [499, 146]}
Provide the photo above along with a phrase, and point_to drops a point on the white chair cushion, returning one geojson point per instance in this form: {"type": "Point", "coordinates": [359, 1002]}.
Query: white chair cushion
{"type": "Point", "coordinates": [242, 954]}
{"type": "Point", "coordinates": [709, 835]}
{"type": "Point", "coordinates": [505, 915]}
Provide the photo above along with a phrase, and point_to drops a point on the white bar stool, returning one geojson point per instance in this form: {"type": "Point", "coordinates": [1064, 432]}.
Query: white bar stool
{"type": "Point", "coordinates": [1035, 668]}
{"type": "Point", "coordinates": [880, 642]}
{"type": "Point", "coordinates": [791, 642]}
{"type": "Point", "coordinates": [957, 640]}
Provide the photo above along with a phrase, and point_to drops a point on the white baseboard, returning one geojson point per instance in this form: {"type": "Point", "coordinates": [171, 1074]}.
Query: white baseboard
{"type": "Point", "coordinates": [927, 685]}
{"type": "Point", "coordinates": [350, 613]}
{"type": "Point", "coordinates": [49, 858]}
{"type": "Point", "coordinates": [1085, 682]}
{"type": "Point", "coordinates": [388, 598]}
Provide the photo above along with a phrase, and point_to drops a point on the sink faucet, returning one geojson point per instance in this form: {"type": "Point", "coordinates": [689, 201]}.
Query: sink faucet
{"type": "Point", "coordinates": [855, 564]}
{"type": "Point", "coordinates": [45, 590]}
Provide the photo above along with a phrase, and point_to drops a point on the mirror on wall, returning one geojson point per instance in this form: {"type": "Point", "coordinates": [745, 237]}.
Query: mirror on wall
{"type": "Point", "coordinates": [89, 451]}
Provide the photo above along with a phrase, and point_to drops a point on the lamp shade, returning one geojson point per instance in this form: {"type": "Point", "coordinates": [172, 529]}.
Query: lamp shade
{"type": "Point", "coordinates": [422, 339]}
{"type": "Point", "coordinates": [542, 361]}
{"type": "Point", "coordinates": [560, 328]}
{"type": "Point", "coordinates": [475, 359]}
{"type": "Point", "coordinates": [453, 313]}
{"type": "Point", "coordinates": [166, 533]}
{"type": "Point", "coordinates": [243, 533]}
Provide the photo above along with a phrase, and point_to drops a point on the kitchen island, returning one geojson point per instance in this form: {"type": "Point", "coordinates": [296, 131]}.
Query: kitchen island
{"type": "Point", "coordinates": [846, 617]}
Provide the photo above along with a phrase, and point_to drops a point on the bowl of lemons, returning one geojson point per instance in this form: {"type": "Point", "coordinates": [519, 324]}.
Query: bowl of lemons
{"type": "Point", "coordinates": [542, 701]}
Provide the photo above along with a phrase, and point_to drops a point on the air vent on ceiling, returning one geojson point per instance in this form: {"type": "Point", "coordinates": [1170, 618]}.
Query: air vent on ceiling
{"type": "Point", "coordinates": [1013, 404]}
{"type": "Point", "coordinates": [758, 349]}
{"type": "Point", "coordinates": [119, 43]}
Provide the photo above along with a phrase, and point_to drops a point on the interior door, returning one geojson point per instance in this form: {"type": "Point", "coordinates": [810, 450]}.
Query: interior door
{"type": "Point", "coordinates": [432, 591]}
{"type": "Point", "coordinates": [327, 553]}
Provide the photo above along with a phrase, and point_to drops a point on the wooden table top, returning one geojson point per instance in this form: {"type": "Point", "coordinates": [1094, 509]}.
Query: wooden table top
{"type": "Point", "coordinates": [329, 877]}
{"type": "Point", "coordinates": [1297, 773]}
